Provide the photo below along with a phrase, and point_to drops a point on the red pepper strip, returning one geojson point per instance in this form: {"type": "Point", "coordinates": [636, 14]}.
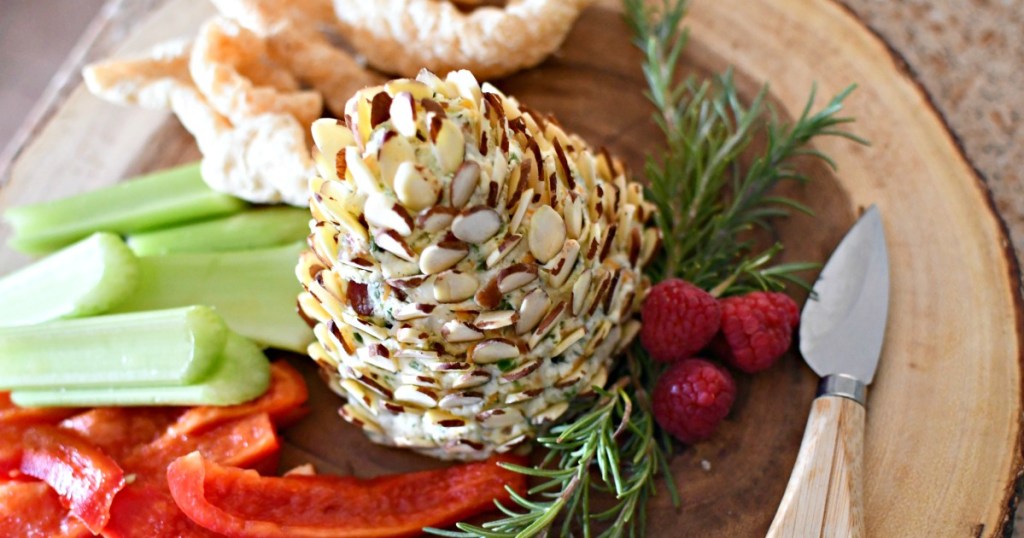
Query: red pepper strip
{"type": "Point", "coordinates": [145, 508]}
{"type": "Point", "coordinates": [243, 442]}
{"type": "Point", "coordinates": [119, 430]}
{"type": "Point", "coordinates": [11, 450]}
{"type": "Point", "coordinates": [85, 478]}
{"type": "Point", "coordinates": [149, 510]}
{"type": "Point", "coordinates": [12, 414]}
{"type": "Point", "coordinates": [242, 504]}
{"type": "Point", "coordinates": [34, 509]}
{"type": "Point", "coordinates": [283, 401]}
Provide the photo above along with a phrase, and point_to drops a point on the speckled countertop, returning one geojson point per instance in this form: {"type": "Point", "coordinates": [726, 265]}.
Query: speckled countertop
{"type": "Point", "coordinates": [969, 56]}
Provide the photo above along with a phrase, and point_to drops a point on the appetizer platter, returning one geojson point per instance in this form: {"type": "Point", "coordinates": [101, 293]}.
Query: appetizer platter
{"type": "Point", "coordinates": [941, 448]}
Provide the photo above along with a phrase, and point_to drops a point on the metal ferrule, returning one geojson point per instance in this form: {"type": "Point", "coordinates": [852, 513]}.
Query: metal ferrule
{"type": "Point", "coordinates": [843, 386]}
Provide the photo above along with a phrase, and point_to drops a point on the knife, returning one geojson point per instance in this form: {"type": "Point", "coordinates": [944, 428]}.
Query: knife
{"type": "Point", "coordinates": [841, 332]}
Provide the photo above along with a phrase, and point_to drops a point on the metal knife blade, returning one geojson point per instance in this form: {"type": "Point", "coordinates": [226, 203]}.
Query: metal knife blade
{"type": "Point", "coordinates": [843, 323]}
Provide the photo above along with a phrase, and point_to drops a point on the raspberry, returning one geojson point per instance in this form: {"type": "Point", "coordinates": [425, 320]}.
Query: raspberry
{"type": "Point", "coordinates": [757, 329]}
{"type": "Point", "coordinates": [692, 397]}
{"type": "Point", "coordinates": [679, 319]}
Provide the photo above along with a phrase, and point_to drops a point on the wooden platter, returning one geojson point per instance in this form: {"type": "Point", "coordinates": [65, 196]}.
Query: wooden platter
{"type": "Point", "coordinates": [944, 416]}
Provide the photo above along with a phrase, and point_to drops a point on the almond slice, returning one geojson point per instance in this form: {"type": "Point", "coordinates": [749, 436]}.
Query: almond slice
{"type": "Point", "coordinates": [464, 183]}
{"type": "Point", "coordinates": [532, 310]}
{"type": "Point", "coordinates": [493, 350]}
{"type": "Point", "coordinates": [456, 331]}
{"type": "Point", "coordinates": [499, 418]}
{"type": "Point", "coordinates": [516, 276]}
{"type": "Point", "coordinates": [416, 396]}
{"type": "Point", "coordinates": [496, 319]}
{"type": "Point", "coordinates": [476, 224]}
{"type": "Point", "coordinates": [547, 233]}
{"type": "Point", "coordinates": [392, 242]}
{"type": "Point", "coordinates": [415, 186]}
{"type": "Point", "coordinates": [442, 256]}
{"type": "Point", "coordinates": [453, 287]}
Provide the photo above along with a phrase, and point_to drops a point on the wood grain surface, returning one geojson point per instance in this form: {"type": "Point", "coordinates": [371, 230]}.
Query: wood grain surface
{"type": "Point", "coordinates": [943, 419]}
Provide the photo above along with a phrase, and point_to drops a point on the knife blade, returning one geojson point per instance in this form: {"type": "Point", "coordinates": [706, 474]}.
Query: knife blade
{"type": "Point", "coordinates": [841, 332]}
{"type": "Point", "coordinates": [843, 323]}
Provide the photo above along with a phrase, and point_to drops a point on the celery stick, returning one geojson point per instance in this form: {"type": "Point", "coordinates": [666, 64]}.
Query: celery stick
{"type": "Point", "coordinates": [165, 198]}
{"type": "Point", "coordinates": [168, 347]}
{"type": "Point", "coordinates": [85, 279]}
{"type": "Point", "coordinates": [241, 374]}
{"type": "Point", "coordinates": [253, 290]}
{"type": "Point", "coordinates": [251, 229]}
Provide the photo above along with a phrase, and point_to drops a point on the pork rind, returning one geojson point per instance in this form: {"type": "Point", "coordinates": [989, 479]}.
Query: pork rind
{"type": "Point", "coordinates": [403, 36]}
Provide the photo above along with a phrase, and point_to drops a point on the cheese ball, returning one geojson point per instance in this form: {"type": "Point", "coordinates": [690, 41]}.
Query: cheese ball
{"type": "Point", "coordinates": [472, 267]}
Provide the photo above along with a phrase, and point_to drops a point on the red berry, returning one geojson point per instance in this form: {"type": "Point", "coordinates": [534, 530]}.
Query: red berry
{"type": "Point", "coordinates": [679, 319]}
{"type": "Point", "coordinates": [692, 397]}
{"type": "Point", "coordinates": [757, 329]}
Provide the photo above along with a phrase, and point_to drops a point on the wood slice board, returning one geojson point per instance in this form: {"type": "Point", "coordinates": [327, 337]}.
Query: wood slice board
{"type": "Point", "coordinates": [944, 415]}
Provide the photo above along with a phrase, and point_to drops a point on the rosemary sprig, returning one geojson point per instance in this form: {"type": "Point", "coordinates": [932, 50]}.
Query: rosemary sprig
{"type": "Point", "coordinates": [707, 202]}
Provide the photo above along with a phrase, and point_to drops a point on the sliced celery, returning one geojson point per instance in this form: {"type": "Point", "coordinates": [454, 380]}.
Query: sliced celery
{"type": "Point", "coordinates": [253, 290]}
{"type": "Point", "coordinates": [241, 374]}
{"type": "Point", "coordinates": [165, 198]}
{"type": "Point", "coordinates": [85, 279]}
{"type": "Point", "coordinates": [167, 347]}
{"type": "Point", "coordinates": [256, 228]}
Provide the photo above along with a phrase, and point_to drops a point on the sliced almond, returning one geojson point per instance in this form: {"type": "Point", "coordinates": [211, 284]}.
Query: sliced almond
{"type": "Point", "coordinates": [460, 399]}
{"type": "Point", "coordinates": [493, 350]}
{"type": "Point", "coordinates": [449, 146]}
{"type": "Point", "coordinates": [456, 331]}
{"type": "Point", "coordinates": [495, 319]}
{"type": "Point", "coordinates": [442, 256]}
{"type": "Point", "coordinates": [443, 419]}
{"type": "Point", "coordinates": [471, 379]}
{"type": "Point", "coordinates": [422, 355]}
{"type": "Point", "coordinates": [436, 218]}
{"type": "Point", "coordinates": [417, 89]}
{"type": "Point", "coordinates": [568, 340]}
{"type": "Point", "coordinates": [516, 276]}
{"type": "Point", "coordinates": [523, 396]}
{"type": "Point", "coordinates": [358, 393]}
{"type": "Point", "coordinates": [493, 419]}
{"type": "Point", "coordinates": [652, 240]}
{"type": "Point", "coordinates": [416, 396]}
{"type": "Point", "coordinates": [467, 86]}
{"type": "Point", "coordinates": [377, 355]}
{"type": "Point", "coordinates": [598, 380]}
{"type": "Point", "coordinates": [509, 444]}
{"type": "Point", "coordinates": [464, 183]}
{"type": "Point", "coordinates": [517, 217]}
{"type": "Point", "coordinates": [356, 416]}
{"type": "Point", "coordinates": [476, 224]}
{"type": "Point", "coordinates": [415, 186]}
{"type": "Point", "coordinates": [507, 244]}
{"type": "Point", "coordinates": [412, 336]}
{"type": "Point", "coordinates": [550, 320]}
{"type": "Point", "coordinates": [550, 414]}
{"type": "Point", "coordinates": [520, 372]}
{"type": "Point", "coordinates": [395, 151]}
{"type": "Point", "coordinates": [561, 266]}
{"type": "Point", "coordinates": [392, 242]}
{"type": "Point", "coordinates": [403, 114]}
{"type": "Point", "coordinates": [573, 212]}
{"type": "Point", "coordinates": [580, 289]}
{"type": "Point", "coordinates": [364, 178]}
{"type": "Point", "coordinates": [330, 137]}
{"type": "Point", "coordinates": [382, 212]}
{"type": "Point", "coordinates": [413, 311]}
{"type": "Point", "coordinates": [417, 379]}
{"type": "Point", "coordinates": [453, 287]}
{"type": "Point", "coordinates": [488, 296]}
{"type": "Point", "coordinates": [547, 233]}
{"type": "Point", "coordinates": [532, 310]}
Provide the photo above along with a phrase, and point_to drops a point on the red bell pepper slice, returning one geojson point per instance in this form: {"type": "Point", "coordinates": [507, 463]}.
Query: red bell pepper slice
{"type": "Point", "coordinates": [145, 508]}
{"type": "Point", "coordinates": [11, 414]}
{"type": "Point", "coordinates": [119, 430]}
{"type": "Point", "coordinates": [241, 503]}
{"type": "Point", "coordinates": [34, 509]}
{"type": "Point", "coordinates": [283, 401]}
{"type": "Point", "coordinates": [243, 442]}
{"type": "Point", "coordinates": [84, 477]}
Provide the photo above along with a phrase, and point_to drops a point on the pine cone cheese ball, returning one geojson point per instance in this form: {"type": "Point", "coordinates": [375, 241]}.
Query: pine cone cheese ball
{"type": "Point", "coordinates": [472, 267]}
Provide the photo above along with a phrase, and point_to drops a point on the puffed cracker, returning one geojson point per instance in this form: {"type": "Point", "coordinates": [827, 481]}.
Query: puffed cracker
{"type": "Point", "coordinates": [403, 36]}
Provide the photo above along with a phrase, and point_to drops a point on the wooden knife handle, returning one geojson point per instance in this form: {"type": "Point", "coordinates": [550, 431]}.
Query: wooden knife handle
{"type": "Point", "coordinates": [823, 497]}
